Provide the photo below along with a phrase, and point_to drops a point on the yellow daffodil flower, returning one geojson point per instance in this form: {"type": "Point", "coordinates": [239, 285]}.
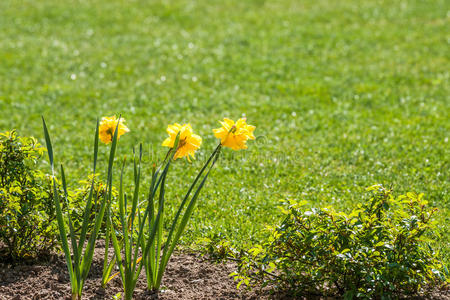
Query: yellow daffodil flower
{"type": "Point", "coordinates": [108, 126]}
{"type": "Point", "coordinates": [234, 135]}
{"type": "Point", "coordinates": [188, 144]}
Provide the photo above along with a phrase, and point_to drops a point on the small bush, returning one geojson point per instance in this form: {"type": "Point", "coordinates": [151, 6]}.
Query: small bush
{"type": "Point", "coordinates": [27, 215]}
{"type": "Point", "coordinates": [217, 247]}
{"type": "Point", "coordinates": [379, 250]}
{"type": "Point", "coordinates": [78, 199]}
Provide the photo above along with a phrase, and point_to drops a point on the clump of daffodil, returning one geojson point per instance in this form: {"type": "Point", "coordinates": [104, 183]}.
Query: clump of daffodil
{"type": "Point", "coordinates": [152, 248]}
{"type": "Point", "coordinates": [108, 126]}
{"type": "Point", "coordinates": [234, 135]}
{"type": "Point", "coordinates": [188, 144]}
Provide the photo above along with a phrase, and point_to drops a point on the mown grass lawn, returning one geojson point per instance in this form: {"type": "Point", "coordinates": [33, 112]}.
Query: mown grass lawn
{"type": "Point", "coordinates": [344, 94]}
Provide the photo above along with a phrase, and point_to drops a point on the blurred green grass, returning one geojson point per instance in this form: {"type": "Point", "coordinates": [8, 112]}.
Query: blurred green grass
{"type": "Point", "coordinates": [344, 94]}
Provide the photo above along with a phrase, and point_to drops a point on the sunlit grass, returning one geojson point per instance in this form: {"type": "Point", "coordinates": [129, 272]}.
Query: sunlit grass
{"type": "Point", "coordinates": [344, 94]}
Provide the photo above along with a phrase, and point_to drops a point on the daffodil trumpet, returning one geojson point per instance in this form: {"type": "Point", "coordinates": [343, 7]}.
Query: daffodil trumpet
{"type": "Point", "coordinates": [234, 134]}
{"type": "Point", "coordinates": [108, 126]}
{"type": "Point", "coordinates": [189, 142]}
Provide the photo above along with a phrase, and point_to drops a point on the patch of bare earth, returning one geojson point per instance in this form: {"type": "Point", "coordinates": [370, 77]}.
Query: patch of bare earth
{"type": "Point", "coordinates": [188, 276]}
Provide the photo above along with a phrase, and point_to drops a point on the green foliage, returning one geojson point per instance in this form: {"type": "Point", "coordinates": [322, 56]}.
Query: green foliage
{"type": "Point", "coordinates": [79, 196]}
{"type": "Point", "coordinates": [81, 250]}
{"type": "Point", "coordinates": [217, 247]}
{"type": "Point", "coordinates": [379, 249]}
{"type": "Point", "coordinates": [78, 202]}
{"type": "Point", "coordinates": [27, 213]}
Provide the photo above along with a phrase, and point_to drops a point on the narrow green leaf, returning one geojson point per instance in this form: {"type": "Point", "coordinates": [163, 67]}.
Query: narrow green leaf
{"type": "Point", "coordinates": [186, 197]}
{"type": "Point", "coordinates": [106, 271]}
{"type": "Point", "coordinates": [73, 239]}
{"type": "Point", "coordinates": [49, 144]}
{"type": "Point", "coordinates": [170, 246]}
{"type": "Point", "coordinates": [59, 215]}
{"type": "Point", "coordinates": [96, 145]}
{"type": "Point", "coordinates": [160, 209]}
{"type": "Point", "coordinates": [88, 207]}
{"type": "Point", "coordinates": [117, 252]}
{"type": "Point", "coordinates": [87, 257]}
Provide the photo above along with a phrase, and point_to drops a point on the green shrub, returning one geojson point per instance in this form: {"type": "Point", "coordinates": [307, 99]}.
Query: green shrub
{"type": "Point", "coordinates": [27, 227]}
{"type": "Point", "coordinates": [379, 250]}
{"type": "Point", "coordinates": [217, 247]}
{"type": "Point", "coordinates": [78, 198]}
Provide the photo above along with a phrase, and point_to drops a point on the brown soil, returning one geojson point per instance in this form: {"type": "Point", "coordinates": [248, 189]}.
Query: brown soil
{"type": "Point", "coordinates": [188, 276]}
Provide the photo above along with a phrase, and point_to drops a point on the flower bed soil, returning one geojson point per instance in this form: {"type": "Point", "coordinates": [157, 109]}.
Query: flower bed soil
{"type": "Point", "coordinates": [188, 276]}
